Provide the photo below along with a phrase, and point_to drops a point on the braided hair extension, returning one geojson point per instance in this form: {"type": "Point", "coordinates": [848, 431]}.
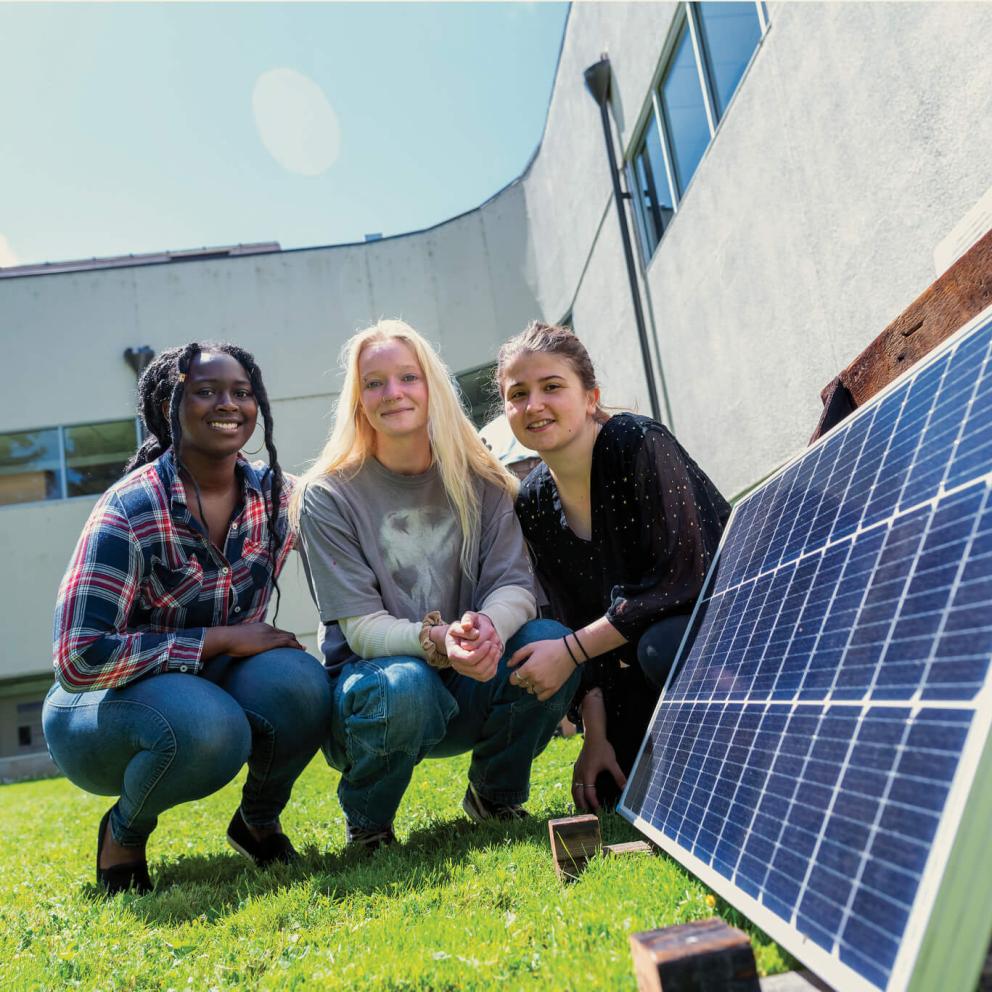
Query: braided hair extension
{"type": "Point", "coordinates": [163, 381]}
{"type": "Point", "coordinates": [155, 388]}
{"type": "Point", "coordinates": [274, 470]}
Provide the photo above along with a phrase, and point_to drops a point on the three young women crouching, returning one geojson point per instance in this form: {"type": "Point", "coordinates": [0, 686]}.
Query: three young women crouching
{"type": "Point", "coordinates": [418, 568]}
{"type": "Point", "coordinates": [623, 526]}
{"type": "Point", "coordinates": [168, 680]}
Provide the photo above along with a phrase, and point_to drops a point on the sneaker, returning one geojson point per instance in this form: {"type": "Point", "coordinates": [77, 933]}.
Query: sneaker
{"type": "Point", "coordinates": [276, 848]}
{"type": "Point", "coordinates": [481, 810]}
{"type": "Point", "coordinates": [369, 840]}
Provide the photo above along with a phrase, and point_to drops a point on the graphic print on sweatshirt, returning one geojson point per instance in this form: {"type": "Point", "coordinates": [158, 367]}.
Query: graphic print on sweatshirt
{"type": "Point", "coordinates": [418, 547]}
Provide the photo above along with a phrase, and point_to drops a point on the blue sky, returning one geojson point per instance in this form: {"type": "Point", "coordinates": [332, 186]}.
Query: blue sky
{"type": "Point", "coordinates": [135, 128]}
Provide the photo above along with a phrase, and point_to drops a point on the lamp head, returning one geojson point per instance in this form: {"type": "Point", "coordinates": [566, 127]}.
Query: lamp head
{"type": "Point", "coordinates": [598, 78]}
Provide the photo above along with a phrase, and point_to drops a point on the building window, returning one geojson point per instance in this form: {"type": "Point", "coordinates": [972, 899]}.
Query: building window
{"type": "Point", "coordinates": [61, 462]}
{"type": "Point", "coordinates": [653, 197]}
{"type": "Point", "coordinates": [30, 466]}
{"type": "Point", "coordinates": [95, 455]}
{"type": "Point", "coordinates": [684, 112]}
{"type": "Point", "coordinates": [713, 43]}
{"type": "Point", "coordinates": [478, 397]}
{"type": "Point", "coordinates": [29, 733]}
{"type": "Point", "coordinates": [730, 32]}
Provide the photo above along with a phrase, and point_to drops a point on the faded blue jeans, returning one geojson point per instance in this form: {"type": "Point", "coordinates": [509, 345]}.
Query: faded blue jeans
{"type": "Point", "coordinates": [171, 738]}
{"type": "Point", "coordinates": [391, 713]}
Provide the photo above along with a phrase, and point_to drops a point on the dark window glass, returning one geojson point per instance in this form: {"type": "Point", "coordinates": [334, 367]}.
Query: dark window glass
{"type": "Point", "coordinates": [730, 33]}
{"type": "Point", "coordinates": [30, 467]}
{"type": "Point", "coordinates": [477, 394]}
{"type": "Point", "coordinates": [654, 201]}
{"type": "Point", "coordinates": [684, 111]}
{"type": "Point", "coordinates": [95, 455]}
{"type": "Point", "coordinates": [29, 733]}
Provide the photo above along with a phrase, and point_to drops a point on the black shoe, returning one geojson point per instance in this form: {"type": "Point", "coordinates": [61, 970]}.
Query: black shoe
{"type": "Point", "coordinates": [360, 838]}
{"type": "Point", "coordinates": [132, 876]}
{"type": "Point", "coordinates": [276, 848]}
{"type": "Point", "coordinates": [481, 810]}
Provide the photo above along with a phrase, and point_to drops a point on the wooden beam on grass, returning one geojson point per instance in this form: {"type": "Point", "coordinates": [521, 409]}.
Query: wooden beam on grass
{"type": "Point", "coordinates": [631, 847]}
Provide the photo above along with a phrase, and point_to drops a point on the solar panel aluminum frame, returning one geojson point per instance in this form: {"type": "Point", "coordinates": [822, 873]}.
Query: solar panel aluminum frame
{"type": "Point", "coordinates": [946, 936]}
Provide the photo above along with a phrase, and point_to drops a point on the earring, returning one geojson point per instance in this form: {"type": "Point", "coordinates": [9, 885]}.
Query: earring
{"type": "Point", "coordinates": [258, 449]}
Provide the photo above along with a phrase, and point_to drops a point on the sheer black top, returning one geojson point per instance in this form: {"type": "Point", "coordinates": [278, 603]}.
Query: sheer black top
{"type": "Point", "coordinates": [656, 523]}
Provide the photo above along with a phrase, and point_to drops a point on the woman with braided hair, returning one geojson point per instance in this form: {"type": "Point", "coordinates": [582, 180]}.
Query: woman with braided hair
{"type": "Point", "coordinates": [168, 678]}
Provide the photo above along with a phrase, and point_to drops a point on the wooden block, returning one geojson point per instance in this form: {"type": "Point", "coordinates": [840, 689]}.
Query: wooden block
{"type": "Point", "coordinates": [631, 847]}
{"type": "Point", "coordinates": [574, 840]}
{"type": "Point", "coordinates": [957, 296]}
{"type": "Point", "coordinates": [707, 956]}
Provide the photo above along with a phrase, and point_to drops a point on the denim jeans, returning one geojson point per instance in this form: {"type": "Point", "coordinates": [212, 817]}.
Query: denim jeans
{"type": "Point", "coordinates": [171, 738]}
{"type": "Point", "coordinates": [391, 713]}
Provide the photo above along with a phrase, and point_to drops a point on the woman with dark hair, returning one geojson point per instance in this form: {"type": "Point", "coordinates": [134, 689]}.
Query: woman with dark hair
{"type": "Point", "coordinates": [623, 526]}
{"type": "Point", "coordinates": [168, 678]}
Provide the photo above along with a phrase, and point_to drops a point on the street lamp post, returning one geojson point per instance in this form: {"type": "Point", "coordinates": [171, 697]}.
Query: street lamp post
{"type": "Point", "coordinates": [598, 79]}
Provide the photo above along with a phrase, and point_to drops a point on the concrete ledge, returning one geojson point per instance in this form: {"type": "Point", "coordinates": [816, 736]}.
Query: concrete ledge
{"type": "Point", "coordinates": [794, 981]}
{"type": "Point", "coordinates": [24, 766]}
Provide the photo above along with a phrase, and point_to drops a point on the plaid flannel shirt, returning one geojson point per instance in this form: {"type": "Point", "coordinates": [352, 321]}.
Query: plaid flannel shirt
{"type": "Point", "coordinates": [145, 581]}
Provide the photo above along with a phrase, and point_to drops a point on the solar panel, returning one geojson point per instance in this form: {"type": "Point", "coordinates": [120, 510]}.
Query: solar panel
{"type": "Point", "coordinates": [821, 754]}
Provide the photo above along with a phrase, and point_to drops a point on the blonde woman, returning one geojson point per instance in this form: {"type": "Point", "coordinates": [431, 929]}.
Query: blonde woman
{"type": "Point", "coordinates": [418, 568]}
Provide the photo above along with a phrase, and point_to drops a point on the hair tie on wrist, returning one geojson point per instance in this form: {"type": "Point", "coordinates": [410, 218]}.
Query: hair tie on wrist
{"type": "Point", "coordinates": [564, 641]}
{"type": "Point", "coordinates": [581, 648]}
{"type": "Point", "coordinates": [432, 655]}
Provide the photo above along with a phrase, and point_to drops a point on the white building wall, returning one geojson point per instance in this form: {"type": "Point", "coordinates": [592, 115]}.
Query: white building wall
{"type": "Point", "coordinates": [857, 139]}
{"type": "Point", "coordinates": [463, 284]}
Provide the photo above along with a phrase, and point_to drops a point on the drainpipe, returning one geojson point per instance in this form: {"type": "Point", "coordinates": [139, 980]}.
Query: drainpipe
{"type": "Point", "coordinates": [597, 79]}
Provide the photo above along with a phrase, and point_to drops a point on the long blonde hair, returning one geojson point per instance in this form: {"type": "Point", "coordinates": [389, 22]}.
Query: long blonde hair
{"type": "Point", "coordinates": [456, 448]}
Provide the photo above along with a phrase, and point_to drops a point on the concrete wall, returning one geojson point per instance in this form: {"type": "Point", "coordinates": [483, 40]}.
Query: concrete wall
{"type": "Point", "coordinates": [463, 284]}
{"type": "Point", "coordinates": [855, 142]}
{"type": "Point", "coordinates": [857, 139]}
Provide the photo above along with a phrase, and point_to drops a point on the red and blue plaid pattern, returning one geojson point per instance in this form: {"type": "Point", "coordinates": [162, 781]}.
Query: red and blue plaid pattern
{"type": "Point", "coordinates": [144, 581]}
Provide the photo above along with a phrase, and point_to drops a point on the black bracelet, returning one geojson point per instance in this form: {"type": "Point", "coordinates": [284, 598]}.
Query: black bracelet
{"type": "Point", "coordinates": [569, 650]}
{"type": "Point", "coordinates": [581, 648]}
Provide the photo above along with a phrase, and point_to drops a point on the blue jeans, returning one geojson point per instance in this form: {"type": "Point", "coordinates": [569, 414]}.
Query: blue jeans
{"type": "Point", "coordinates": [391, 713]}
{"type": "Point", "coordinates": [171, 738]}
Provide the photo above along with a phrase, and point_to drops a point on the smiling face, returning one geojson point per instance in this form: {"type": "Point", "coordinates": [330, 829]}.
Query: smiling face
{"type": "Point", "coordinates": [218, 410]}
{"type": "Point", "coordinates": [545, 402]}
{"type": "Point", "coordinates": [393, 389]}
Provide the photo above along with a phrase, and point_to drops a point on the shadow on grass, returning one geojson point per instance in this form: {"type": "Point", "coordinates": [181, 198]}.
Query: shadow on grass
{"type": "Point", "coordinates": [214, 886]}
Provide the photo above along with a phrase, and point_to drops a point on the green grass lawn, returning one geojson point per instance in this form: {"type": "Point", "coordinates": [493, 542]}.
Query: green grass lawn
{"type": "Point", "coordinates": [453, 906]}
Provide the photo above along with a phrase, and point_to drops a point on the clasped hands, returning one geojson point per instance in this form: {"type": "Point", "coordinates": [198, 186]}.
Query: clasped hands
{"type": "Point", "coordinates": [473, 647]}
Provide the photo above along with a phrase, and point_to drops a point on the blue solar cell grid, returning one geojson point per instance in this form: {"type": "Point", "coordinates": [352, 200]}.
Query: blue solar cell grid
{"type": "Point", "coordinates": [809, 735]}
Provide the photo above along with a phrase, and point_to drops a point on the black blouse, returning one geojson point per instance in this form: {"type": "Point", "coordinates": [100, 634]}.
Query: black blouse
{"type": "Point", "coordinates": [656, 523]}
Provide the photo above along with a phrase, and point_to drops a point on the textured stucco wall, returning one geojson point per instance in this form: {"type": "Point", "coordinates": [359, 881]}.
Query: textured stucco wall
{"type": "Point", "coordinates": [463, 284]}
{"type": "Point", "coordinates": [855, 142]}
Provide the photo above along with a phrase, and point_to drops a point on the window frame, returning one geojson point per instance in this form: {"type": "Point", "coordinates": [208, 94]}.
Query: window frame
{"type": "Point", "coordinates": [687, 17]}
{"type": "Point", "coordinates": [63, 496]}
